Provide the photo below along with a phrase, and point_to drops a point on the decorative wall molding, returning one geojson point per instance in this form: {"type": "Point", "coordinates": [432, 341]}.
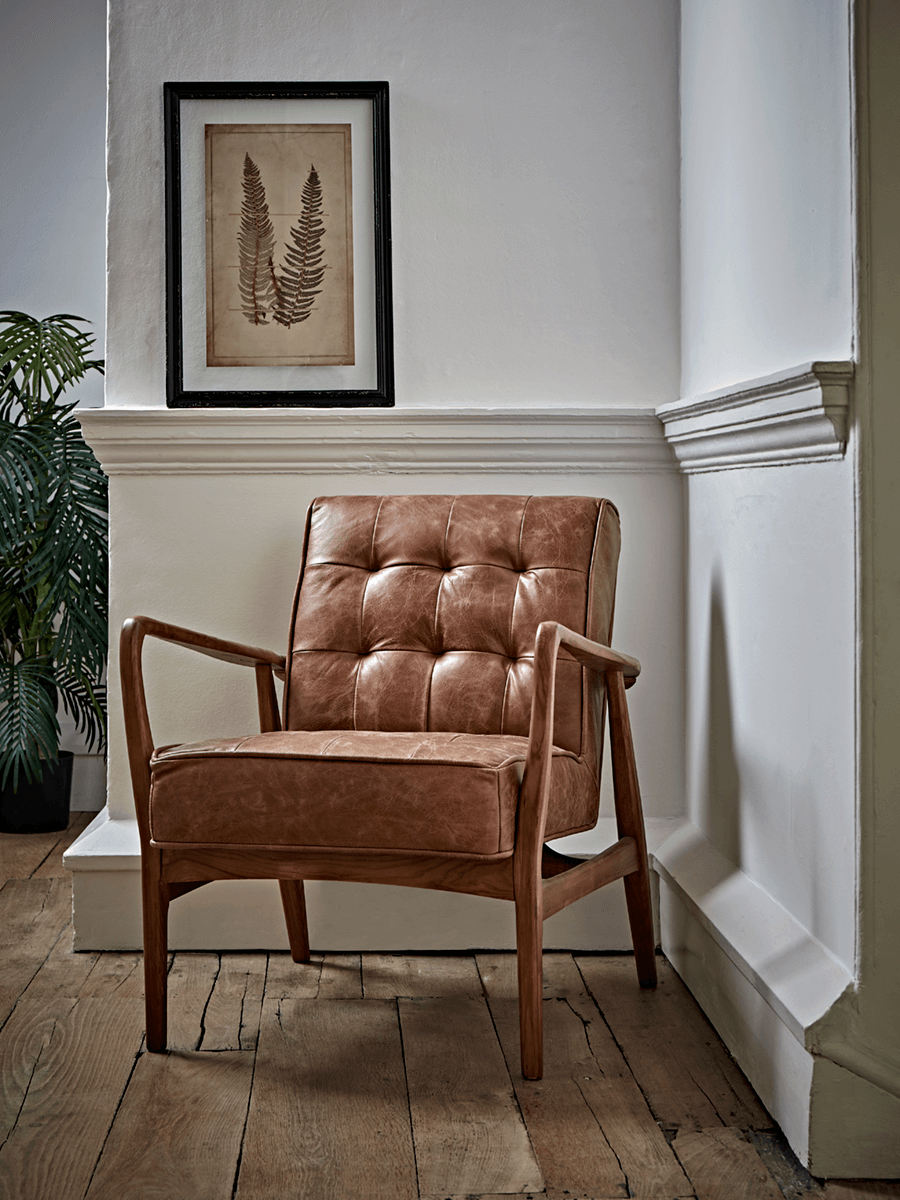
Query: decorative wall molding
{"type": "Point", "coordinates": [159, 441]}
{"type": "Point", "coordinates": [797, 415]}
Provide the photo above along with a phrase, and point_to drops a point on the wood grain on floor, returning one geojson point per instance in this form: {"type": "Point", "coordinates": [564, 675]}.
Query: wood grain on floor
{"type": "Point", "coordinates": [373, 1076]}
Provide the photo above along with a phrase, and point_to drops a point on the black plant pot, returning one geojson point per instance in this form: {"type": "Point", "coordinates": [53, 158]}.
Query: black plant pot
{"type": "Point", "coordinates": [39, 807]}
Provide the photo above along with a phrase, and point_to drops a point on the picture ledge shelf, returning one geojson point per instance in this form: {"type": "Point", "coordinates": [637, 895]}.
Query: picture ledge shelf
{"type": "Point", "coordinates": [160, 441]}
{"type": "Point", "coordinates": [794, 416]}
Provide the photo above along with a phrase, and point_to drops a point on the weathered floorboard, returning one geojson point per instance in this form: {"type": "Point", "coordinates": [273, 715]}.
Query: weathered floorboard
{"type": "Point", "coordinates": [723, 1165]}
{"type": "Point", "coordinates": [33, 913]}
{"type": "Point", "coordinates": [687, 1075]}
{"type": "Point", "coordinates": [62, 973]}
{"type": "Point", "coordinates": [71, 1099]}
{"type": "Point", "coordinates": [583, 1064]}
{"type": "Point", "coordinates": [189, 985]}
{"type": "Point", "coordinates": [232, 1016]}
{"type": "Point", "coordinates": [287, 980]}
{"type": "Point", "coordinates": [341, 977]}
{"type": "Point", "coordinates": [567, 1138]}
{"type": "Point", "coordinates": [456, 1074]}
{"type": "Point", "coordinates": [328, 1114]}
{"type": "Point", "coordinates": [21, 854]}
{"type": "Point", "coordinates": [386, 976]}
{"type": "Point", "coordinates": [23, 1040]}
{"type": "Point", "coordinates": [116, 974]}
{"type": "Point", "coordinates": [178, 1130]}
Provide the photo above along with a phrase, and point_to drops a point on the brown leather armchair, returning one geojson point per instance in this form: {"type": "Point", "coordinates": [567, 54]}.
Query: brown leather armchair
{"type": "Point", "coordinates": [445, 685]}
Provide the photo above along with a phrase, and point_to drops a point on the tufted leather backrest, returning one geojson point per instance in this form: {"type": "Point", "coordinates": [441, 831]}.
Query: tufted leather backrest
{"type": "Point", "coordinates": [419, 613]}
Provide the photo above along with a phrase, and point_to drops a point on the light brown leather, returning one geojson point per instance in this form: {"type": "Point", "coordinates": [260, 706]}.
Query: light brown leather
{"type": "Point", "coordinates": [414, 620]}
{"type": "Point", "coordinates": [434, 792]}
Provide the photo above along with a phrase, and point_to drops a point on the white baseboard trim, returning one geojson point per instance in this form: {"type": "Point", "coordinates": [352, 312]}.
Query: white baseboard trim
{"type": "Point", "coordinates": [246, 914]}
{"type": "Point", "coordinates": [758, 974]}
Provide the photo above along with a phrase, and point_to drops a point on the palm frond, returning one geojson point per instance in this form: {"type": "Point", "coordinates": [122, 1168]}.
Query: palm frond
{"type": "Point", "coordinates": [40, 358]}
{"type": "Point", "coordinates": [85, 701]}
{"type": "Point", "coordinates": [29, 729]}
{"type": "Point", "coordinates": [24, 461]}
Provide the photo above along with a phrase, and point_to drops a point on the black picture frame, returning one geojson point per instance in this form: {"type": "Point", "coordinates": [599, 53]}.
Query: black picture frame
{"type": "Point", "coordinates": [378, 389]}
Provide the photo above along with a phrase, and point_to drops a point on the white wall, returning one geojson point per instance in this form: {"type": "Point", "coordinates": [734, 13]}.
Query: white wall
{"type": "Point", "coordinates": [771, 693]}
{"type": "Point", "coordinates": [766, 227]}
{"type": "Point", "coordinates": [534, 184]}
{"type": "Point", "coordinates": [52, 146]}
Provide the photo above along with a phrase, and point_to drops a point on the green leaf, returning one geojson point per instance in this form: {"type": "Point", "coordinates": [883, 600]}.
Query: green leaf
{"type": "Point", "coordinates": [29, 729]}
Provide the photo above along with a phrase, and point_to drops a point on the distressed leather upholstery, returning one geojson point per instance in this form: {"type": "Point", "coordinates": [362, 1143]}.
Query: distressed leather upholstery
{"type": "Point", "coordinates": [409, 683]}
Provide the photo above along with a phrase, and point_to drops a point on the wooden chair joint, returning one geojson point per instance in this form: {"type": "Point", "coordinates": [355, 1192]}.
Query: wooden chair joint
{"type": "Point", "coordinates": [589, 874]}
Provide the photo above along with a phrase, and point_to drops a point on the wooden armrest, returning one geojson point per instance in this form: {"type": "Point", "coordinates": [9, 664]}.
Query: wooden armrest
{"type": "Point", "coordinates": [233, 652]}
{"type": "Point", "coordinates": [134, 701]}
{"type": "Point", "coordinates": [593, 654]}
{"type": "Point", "coordinates": [536, 783]}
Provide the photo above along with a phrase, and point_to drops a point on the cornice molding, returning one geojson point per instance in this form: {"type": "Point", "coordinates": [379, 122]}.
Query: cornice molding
{"type": "Point", "coordinates": [797, 415]}
{"type": "Point", "coordinates": [159, 441]}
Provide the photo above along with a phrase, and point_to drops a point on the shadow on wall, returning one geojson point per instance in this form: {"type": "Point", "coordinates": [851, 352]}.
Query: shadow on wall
{"type": "Point", "coordinates": [721, 796]}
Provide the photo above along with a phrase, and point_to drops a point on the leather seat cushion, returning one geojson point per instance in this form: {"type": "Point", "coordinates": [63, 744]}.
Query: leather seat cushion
{"type": "Point", "coordinates": [432, 792]}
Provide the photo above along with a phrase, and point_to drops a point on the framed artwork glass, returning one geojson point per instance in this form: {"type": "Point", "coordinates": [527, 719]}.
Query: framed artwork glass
{"type": "Point", "coordinates": [278, 245]}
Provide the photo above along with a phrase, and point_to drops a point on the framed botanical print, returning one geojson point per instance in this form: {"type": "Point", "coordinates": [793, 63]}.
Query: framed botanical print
{"type": "Point", "coordinates": [278, 247]}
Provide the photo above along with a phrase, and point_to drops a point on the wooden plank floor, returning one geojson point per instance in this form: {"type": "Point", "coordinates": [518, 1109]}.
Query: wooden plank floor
{"type": "Point", "coordinates": [359, 1076]}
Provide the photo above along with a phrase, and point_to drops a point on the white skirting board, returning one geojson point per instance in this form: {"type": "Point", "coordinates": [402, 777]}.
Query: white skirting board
{"type": "Point", "coordinates": [247, 915]}
{"type": "Point", "coordinates": [766, 985]}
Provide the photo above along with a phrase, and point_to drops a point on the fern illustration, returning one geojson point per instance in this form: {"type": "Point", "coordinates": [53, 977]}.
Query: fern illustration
{"type": "Point", "coordinates": [303, 270]}
{"type": "Point", "coordinates": [257, 281]}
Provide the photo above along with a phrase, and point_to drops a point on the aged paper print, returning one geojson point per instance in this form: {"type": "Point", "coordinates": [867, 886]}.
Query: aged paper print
{"type": "Point", "coordinates": [279, 246]}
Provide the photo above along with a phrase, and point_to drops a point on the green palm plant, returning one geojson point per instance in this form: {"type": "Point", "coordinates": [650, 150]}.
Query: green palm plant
{"type": "Point", "coordinates": [53, 546]}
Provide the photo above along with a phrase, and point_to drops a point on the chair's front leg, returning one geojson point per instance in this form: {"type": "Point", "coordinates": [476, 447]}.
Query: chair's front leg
{"type": "Point", "coordinates": [529, 955]}
{"type": "Point", "coordinates": [156, 950]}
{"type": "Point", "coordinates": [630, 820]}
{"type": "Point", "coordinates": [529, 939]}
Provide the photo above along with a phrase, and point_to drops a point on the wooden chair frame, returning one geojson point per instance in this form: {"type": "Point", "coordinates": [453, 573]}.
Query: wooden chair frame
{"type": "Point", "coordinates": [539, 880]}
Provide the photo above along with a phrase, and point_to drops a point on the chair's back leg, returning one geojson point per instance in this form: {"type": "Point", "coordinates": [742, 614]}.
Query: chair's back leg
{"type": "Point", "coordinates": [630, 819]}
{"type": "Point", "coordinates": [156, 950]}
{"type": "Point", "coordinates": [293, 901]}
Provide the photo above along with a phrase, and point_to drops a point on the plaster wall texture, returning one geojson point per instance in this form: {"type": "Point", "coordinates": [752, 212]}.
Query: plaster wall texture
{"type": "Point", "coordinates": [52, 137]}
{"type": "Point", "coordinates": [534, 184]}
{"type": "Point", "coordinates": [771, 697]}
{"type": "Point", "coordinates": [767, 237]}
